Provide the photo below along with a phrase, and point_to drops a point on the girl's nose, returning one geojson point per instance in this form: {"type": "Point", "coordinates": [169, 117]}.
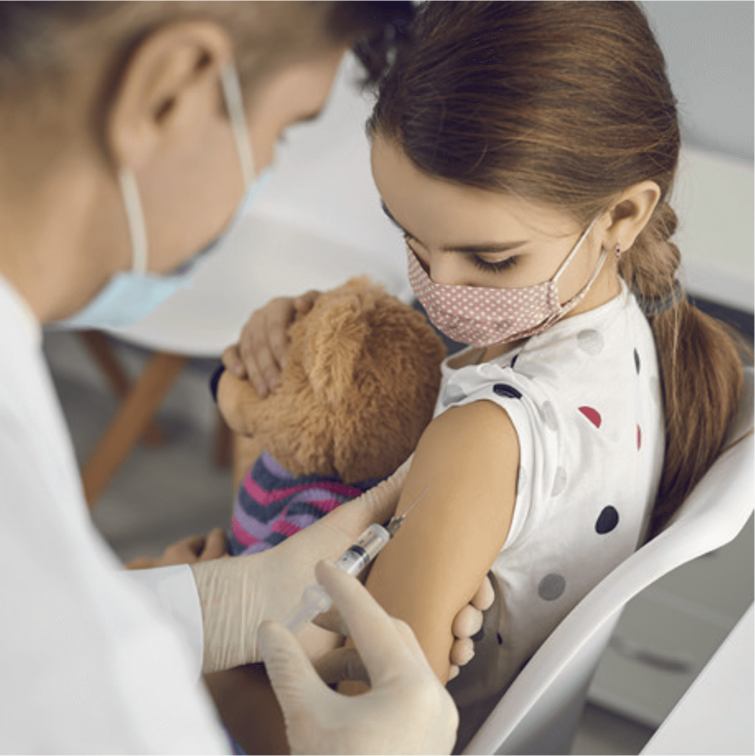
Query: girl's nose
{"type": "Point", "coordinates": [442, 268]}
{"type": "Point", "coordinates": [445, 269]}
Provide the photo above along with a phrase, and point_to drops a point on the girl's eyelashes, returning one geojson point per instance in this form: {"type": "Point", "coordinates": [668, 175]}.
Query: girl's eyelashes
{"type": "Point", "coordinates": [478, 262]}
{"type": "Point", "coordinates": [493, 267]}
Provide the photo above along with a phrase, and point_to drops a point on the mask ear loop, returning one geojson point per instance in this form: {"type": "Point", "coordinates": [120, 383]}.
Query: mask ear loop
{"type": "Point", "coordinates": [229, 80]}
{"type": "Point", "coordinates": [577, 298]}
{"type": "Point", "coordinates": [574, 251]}
{"type": "Point", "coordinates": [137, 229]}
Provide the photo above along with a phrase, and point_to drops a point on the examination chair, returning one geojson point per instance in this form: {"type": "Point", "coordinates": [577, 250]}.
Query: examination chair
{"type": "Point", "coordinates": [539, 712]}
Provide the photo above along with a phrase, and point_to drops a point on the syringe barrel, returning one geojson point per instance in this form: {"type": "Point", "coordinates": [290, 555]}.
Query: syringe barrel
{"type": "Point", "coordinates": [363, 550]}
{"type": "Point", "coordinates": [316, 599]}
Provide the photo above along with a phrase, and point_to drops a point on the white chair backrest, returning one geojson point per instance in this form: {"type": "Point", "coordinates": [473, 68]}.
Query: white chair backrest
{"type": "Point", "coordinates": [539, 711]}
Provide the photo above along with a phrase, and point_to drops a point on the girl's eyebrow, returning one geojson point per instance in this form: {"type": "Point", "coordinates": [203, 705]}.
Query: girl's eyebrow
{"type": "Point", "coordinates": [470, 248]}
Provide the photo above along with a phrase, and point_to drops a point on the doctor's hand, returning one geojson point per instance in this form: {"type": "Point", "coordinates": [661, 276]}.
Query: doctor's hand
{"type": "Point", "coordinates": [406, 710]}
{"type": "Point", "coordinates": [261, 351]}
{"type": "Point", "coordinates": [236, 595]}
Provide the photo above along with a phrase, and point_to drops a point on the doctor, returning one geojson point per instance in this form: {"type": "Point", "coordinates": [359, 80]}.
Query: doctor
{"type": "Point", "coordinates": [125, 153]}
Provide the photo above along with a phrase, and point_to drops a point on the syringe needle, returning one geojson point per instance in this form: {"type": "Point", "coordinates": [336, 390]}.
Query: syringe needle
{"type": "Point", "coordinates": [397, 522]}
{"type": "Point", "coordinates": [316, 599]}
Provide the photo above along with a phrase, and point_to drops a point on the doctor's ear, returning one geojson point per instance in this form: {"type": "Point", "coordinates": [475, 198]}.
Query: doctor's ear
{"type": "Point", "coordinates": [169, 88]}
{"type": "Point", "coordinates": [631, 213]}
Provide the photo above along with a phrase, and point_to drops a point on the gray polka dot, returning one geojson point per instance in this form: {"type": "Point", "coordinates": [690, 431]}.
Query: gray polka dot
{"type": "Point", "coordinates": [559, 481]}
{"type": "Point", "coordinates": [521, 480]}
{"type": "Point", "coordinates": [549, 415]}
{"type": "Point", "coordinates": [590, 341]}
{"type": "Point", "coordinates": [551, 587]}
{"type": "Point", "coordinates": [452, 394]}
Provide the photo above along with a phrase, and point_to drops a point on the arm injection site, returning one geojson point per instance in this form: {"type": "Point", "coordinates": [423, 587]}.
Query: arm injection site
{"type": "Point", "coordinates": [353, 561]}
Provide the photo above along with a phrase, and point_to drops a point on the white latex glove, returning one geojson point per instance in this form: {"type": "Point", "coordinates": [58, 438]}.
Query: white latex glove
{"type": "Point", "coordinates": [406, 710]}
{"type": "Point", "coordinates": [237, 594]}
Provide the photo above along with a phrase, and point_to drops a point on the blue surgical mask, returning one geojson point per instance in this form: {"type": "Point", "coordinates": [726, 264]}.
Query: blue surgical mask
{"type": "Point", "coordinates": [128, 297]}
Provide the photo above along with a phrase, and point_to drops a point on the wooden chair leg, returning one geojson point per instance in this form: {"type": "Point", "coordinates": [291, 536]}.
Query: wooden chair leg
{"type": "Point", "coordinates": [102, 351]}
{"type": "Point", "coordinates": [130, 422]}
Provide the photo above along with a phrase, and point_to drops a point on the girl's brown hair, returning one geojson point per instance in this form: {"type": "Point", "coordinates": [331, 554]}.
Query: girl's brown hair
{"type": "Point", "coordinates": [568, 103]}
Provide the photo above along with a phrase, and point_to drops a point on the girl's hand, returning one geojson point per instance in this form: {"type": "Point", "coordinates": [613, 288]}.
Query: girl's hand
{"type": "Point", "coordinates": [186, 551]}
{"type": "Point", "coordinates": [342, 664]}
{"type": "Point", "coordinates": [261, 351]}
{"type": "Point", "coordinates": [466, 624]}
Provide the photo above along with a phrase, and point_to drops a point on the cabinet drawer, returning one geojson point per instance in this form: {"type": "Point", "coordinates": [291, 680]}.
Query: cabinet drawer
{"type": "Point", "coordinates": [656, 652]}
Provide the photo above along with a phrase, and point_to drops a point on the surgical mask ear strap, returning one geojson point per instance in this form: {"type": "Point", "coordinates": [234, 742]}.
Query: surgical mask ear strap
{"type": "Point", "coordinates": [137, 229]}
{"type": "Point", "coordinates": [229, 79]}
{"type": "Point", "coordinates": [574, 251]}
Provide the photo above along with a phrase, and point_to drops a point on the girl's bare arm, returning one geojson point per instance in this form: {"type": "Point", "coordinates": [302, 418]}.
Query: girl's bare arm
{"type": "Point", "coordinates": [469, 457]}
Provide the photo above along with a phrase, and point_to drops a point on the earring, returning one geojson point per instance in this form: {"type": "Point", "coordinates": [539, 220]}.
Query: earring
{"type": "Point", "coordinates": [618, 252]}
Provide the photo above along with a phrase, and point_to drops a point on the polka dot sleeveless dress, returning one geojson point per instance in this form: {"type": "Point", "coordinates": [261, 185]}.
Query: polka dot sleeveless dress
{"type": "Point", "coordinates": [584, 397]}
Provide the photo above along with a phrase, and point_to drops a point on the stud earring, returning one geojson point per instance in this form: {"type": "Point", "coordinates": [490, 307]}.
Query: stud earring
{"type": "Point", "coordinates": [618, 252]}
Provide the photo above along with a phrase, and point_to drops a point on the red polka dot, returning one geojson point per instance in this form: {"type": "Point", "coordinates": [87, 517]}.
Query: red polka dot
{"type": "Point", "coordinates": [592, 415]}
{"type": "Point", "coordinates": [639, 437]}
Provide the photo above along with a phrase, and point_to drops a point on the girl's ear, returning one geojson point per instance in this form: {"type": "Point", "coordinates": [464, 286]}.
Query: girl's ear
{"type": "Point", "coordinates": [631, 213]}
{"type": "Point", "coordinates": [168, 88]}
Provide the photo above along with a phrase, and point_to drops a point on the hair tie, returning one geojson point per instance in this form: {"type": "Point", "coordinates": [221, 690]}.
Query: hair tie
{"type": "Point", "coordinates": [656, 305]}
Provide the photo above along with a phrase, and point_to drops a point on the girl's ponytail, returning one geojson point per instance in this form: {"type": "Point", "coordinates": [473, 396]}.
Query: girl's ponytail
{"type": "Point", "coordinates": [700, 367]}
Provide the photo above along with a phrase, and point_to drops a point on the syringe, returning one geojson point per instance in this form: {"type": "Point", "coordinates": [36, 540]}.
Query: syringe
{"type": "Point", "coordinates": [315, 599]}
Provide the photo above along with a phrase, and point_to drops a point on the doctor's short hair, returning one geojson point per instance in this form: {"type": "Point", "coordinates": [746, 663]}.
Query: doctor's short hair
{"type": "Point", "coordinates": [45, 45]}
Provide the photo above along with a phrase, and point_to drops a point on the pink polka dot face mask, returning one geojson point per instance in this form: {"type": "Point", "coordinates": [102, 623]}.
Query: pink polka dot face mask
{"type": "Point", "coordinates": [482, 316]}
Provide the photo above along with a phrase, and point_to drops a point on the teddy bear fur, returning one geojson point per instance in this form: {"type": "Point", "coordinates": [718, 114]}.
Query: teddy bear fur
{"type": "Point", "coordinates": [358, 387]}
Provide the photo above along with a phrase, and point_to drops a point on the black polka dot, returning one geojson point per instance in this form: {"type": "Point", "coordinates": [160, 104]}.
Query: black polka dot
{"type": "Point", "coordinates": [551, 587]}
{"type": "Point", "coordinates": [607, 521]}
{"type": "Point", "coordinates": [500, 640]}
{"type": "Point", "coordinates": [637, 361]}
{"type": "Point", "coordinates": [503, 389]}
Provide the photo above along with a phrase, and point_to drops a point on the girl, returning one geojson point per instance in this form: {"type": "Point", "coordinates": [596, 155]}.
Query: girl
{"type": "Point", "coordinates": [527, 152]}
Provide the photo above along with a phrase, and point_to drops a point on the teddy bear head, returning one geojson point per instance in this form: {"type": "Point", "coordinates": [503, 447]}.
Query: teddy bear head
{"type": "Point", "coordinates": [358, 388]}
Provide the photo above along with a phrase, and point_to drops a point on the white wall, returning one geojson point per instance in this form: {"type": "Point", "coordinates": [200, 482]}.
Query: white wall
{"type": "Point", "coordinates": [709, 52]}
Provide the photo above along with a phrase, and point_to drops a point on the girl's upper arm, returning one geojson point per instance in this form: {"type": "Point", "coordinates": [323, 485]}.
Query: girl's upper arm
{"type": "Point", "coordinates": [469, 458]}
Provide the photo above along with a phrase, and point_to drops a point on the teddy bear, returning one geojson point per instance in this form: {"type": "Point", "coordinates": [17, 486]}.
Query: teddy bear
{"type": "Point", "coordinates": [357, 390]}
